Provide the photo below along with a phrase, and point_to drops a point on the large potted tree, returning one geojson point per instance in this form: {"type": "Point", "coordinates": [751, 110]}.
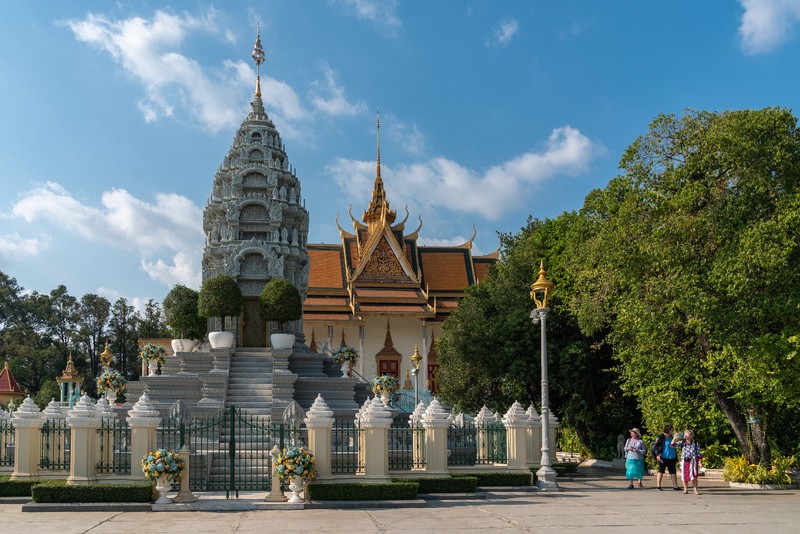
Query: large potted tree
{"type": "Point", "coordinates": [220, 297]}
{"type": "Point", "coordinates": [180, 315]}
{"type": "Point", "coordinates": [280, 302]}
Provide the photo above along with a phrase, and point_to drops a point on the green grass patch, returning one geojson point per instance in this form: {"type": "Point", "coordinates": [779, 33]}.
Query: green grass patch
{"type": "Point", "coordinates": [498, 479]}
{"type": "Point", "coordinates": [395, 491]}
{"type": "Point", "coordinates": [57, 492]}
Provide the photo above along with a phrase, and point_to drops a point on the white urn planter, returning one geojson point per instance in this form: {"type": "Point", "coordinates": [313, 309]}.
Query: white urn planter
{"type": "Point", "coordinates": [346, 368]}
{"type": "Point", "coordinates": [221, 340]}
{"type": "Point", "coordinates": [385, 398]}
{"type": "Point", "coordinates": [162, 487]}
{"type": "Point", "coordinates": [111, 395]}
{"type": "Point", "coordinates": [152, 367]}
{"type": "Point", "coordinates": [182, 345]}
{"type": "Point", "coordinates": [282, 341]}
{"type": "Point", "coordinates": [296, 486]}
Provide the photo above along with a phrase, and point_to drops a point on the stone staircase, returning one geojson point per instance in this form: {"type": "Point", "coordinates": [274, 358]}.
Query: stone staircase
{"type": "Point", "coordinates": [250, 381]}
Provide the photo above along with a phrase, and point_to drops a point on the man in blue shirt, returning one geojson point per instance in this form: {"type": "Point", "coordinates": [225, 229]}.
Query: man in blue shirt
{"type": "Point", "coordinates": [666, 456]}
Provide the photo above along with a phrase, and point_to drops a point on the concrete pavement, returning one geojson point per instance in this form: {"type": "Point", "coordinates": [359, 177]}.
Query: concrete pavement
{"type": "Point", "coordinates": [595, 502]}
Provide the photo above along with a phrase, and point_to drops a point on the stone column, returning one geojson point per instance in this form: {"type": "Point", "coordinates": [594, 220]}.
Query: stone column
{"type": "Point", "coordinates": [436, 421]}
{"type": "Point", "coordinates": [424, 367]}
{"type": "Point", "coordinates": [143, 419]}
{"type": "Point", "coordinates": [184, 493]}
{"type": "Point", "coordinates": [376, 422]}
{"type": "Point", "coordinates": [534, 438]}
{"type": "Point", "coordinates": [417, 437]}
{"type": "Point", "coordinates": [319, 422]}
{"type": "Point", "coordinates": [553, 423]}
{"type": "Point", "coordinates": [482, 421]}
{"type": "Point", "coordinates": [27, 421]}
{"type": "Point", "coordinates": [516, 423]}
{"type": "Point", "coordinates": [361, 331]}
{"type": "Point", "coordinates": [83, 443]}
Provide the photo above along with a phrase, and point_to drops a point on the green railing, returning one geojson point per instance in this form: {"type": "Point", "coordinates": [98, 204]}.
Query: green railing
{"type": "Point", "coordinates": [461, 444]}
{"type": "Point", "coordinates": [55, 440]}
{"type": "Point", "coordinates": [492, 449]}
{"type": "Point", "coordinates": [114, 437]}
{"type": "Point", "coordinates": [346, 439]}
{"type": "Point", "coordinates": [6, 443]}
{"type": "Point", "coordinates": [406, 446]}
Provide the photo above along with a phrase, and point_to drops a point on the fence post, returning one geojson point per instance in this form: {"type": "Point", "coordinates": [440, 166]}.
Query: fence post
{"type": "Point", "coordinates": [27, 421]}
{"type": "Point", "coordinates": [482, 421]}
{"type": "Point", "coordinates": [516, 423]}
{"type": "Point", "coordinates": [143, 419]}
{"type": "Point", "coordinates": [83, 450]}
{"type": "Point", "coordinates": [184, 492]}
{"type": "Point", "coordinates": [417, 437]}
{"type": "Point", "coordinates": [553, 420]}
{"type": "Point", "coordinates": [534, 437]}
{"type": "Point", "coordinates": [436, 421]}
{"type": "Point", "coordinates": [376, 421]}
{"type": "Point", "coordinates": [319, 422]}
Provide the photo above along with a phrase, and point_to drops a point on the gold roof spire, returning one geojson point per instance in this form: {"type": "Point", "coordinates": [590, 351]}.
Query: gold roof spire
{"type": "Point", "coordinates": [259, 58]}
{"type": "Point", "coordinates": [378, 176]}
{"type": "Point", "coordinates": [70, 374]}
{"type": "Point", "coordinates": [378, 206]}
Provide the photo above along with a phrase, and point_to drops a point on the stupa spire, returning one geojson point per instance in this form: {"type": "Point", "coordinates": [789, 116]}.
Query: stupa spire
{"type": "Point", "coordinates": [378, 206]}
{"type": "Point", "coordinates": [259, 58]}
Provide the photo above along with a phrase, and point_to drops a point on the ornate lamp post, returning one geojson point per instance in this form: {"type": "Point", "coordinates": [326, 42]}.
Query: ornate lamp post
{"type": "Point", "coordinates": [415, 359]}
{"type": "Point", "coordinates": [540, 291]}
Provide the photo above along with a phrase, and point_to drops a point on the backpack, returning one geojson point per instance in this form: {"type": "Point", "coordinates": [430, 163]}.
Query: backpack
{"type": "Point", "coordinates": [658, 446]}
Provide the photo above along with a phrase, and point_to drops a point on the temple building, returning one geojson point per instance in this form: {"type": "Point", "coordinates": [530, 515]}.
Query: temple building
{"type": "Point", "coordinates": [9, 389]}
{"type": "Point", "coordinates": [383, 293]}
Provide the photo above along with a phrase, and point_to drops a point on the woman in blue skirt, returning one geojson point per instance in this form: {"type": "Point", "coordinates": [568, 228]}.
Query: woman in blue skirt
{"type": "Point", "coordinates": [634, 458]}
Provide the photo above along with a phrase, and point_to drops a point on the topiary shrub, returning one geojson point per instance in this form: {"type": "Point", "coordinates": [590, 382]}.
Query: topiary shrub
{"type": "Point", "coordinates": [56, 491]}
{"type": "Point", "coordinates": [396, 491]}
{"type": "Point", "coordinates": [16, 488]}
{"type": "Point", "coordinates": [181, 315]}
{"type": "Point", "coordinates": [498, 479]}
{"type": "Point", "coordinates": [464, 484]}
{"type": "Point", "coordinates": [220, 297]}
{"type": "Point", "coordinates": [281, 302]}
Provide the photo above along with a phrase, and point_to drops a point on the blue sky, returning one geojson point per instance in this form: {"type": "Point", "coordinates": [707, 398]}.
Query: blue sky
{"type": "Point", "coordinates": [115, 116]}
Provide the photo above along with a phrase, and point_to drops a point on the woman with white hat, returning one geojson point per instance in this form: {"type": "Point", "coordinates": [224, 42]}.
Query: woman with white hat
{"type": "Point", "coordinates": [634, 458]}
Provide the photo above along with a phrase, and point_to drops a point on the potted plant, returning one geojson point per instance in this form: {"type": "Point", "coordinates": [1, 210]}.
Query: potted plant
{"type": "Point", "coordinates": [385, 386]}
{"type": "Point", "coordinates": [162, 467]}
{"type": "Point", "coordinates": [220, 297]}
{"type": "Point", "coordinates": [296, 465]}
{"type": "Point", "coordinates": [180, 314]}
{"type": "Point", "coordinates": [112, 384]}
{"type": "Point", "coordinates": [281, 302]}
{"type": "Point", "coordinates": [346, 356]}
{"type": "Point", "coordinates": [153, 355]}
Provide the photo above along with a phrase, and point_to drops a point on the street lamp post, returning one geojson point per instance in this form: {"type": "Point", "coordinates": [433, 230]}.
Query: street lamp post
{"type": "Point", "coordinates": [540, 291]}
{"type": "Point", "coordinates": [415, 359]}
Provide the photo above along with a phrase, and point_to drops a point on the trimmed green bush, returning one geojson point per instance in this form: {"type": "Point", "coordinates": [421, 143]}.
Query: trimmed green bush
{"type": "Point", "coordinates": [16, 488]}
{"type": "Point", "coordinates": [57, 491]}
{"type": "Point", "coordinates": [565, 468]}
{"type": "Point", "coordinates": [280, 302]}
{"type": "Point", "coordinates": [466, 484]}
{"type": "Point", "coordinates": [498, 479]}
{"type": "Point", "coordinates": [396, 491]}
{"type": "Point", "coordinates": [220, 297]}
{"type": "Point", "coordinates": [180, 313]}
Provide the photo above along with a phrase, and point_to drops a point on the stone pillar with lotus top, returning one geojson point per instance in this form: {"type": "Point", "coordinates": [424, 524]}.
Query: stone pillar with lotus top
{"type": "Point", "coordinates": [534, 438]}
{"type": "Point", "coordinates": [375, 423]}
{"type": "Point", "coordinates": [516, 422]}
{"type": "Point", "coordinates": [436, 421]}
{"type": "Point", "coordinates": [27, 421]}
{"type": "Point", "coordinates": [143, 419]}
{"type": "Point", "coordinates": [319, 422]}
{"type": "Point", "coordinates": [83, 443]}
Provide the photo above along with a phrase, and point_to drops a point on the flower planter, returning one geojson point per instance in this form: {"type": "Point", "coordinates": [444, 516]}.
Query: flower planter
{"type": "Point", "coordinates": [182, 345]}
{"type": "Point", "coordinates": [282, 341]}
{"type": "Point", "coordinates": [162, 487]}
{"type": "Point", "coordinates": [221, 340]}
{"type": "Point", "coordinates": [296, 486]}
{"type": "Point", "coordinates": [345, 369]}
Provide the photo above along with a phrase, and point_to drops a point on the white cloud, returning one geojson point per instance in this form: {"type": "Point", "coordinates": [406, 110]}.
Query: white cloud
{"type": "Point", "coordinates": [138, 303]}
{"type": "Point", "coordinates": [502, 35]}
{"type": "Point", "coordinates": [382, 13]}
{"type": "Point", "coordinates": [178, 85]}
{"type": "Point", "coordinates": [442, 183]}
{"type": "Point", "coordinates": [336, 104]}
{"type": "Point", "coordinates": [17, 247]}
{"type": "Point", "coordinates": [766, 24]}
{"type": "Point", "coordinates": [450, 242]}
{"type": "Point", "coordinates": [406, 136]}
{"type": "Point", "coordinates": [170, 225]}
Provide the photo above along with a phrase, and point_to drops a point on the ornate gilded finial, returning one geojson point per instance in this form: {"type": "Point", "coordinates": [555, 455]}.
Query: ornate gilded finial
{"type": "Point", "coordinates": [259, 57]}
{"type": "Point", "coordinates": [379, 145]}
{"type": "Point", "coordinates": [106, 357]}
{"type": "Point", "coordinates": [415, 358]}
{"type": "Point", "coordinates": [541, 285]}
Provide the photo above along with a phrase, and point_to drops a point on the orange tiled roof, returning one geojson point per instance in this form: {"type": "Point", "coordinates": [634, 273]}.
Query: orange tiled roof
{"type": "Point", "coordinates": [327, 317]}
{"type": "Point", "coordinates": [392, 309]}
{"type": "Point", "coordinates": [8, 384]}
{"type": "Point", "coordinates": [399, 294]}
{"type": "Point", "coordinates": [313, 301]}
{"type": "Point", "coordinates": [481, 269]}
{"type": "Point", "coordinates": [445, 270]}
{"type": "Point", "coordinates": [327, 270]}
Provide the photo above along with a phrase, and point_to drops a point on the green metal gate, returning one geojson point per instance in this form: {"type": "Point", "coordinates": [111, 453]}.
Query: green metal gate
{"type": "Point", "coordinates": [231, 451]}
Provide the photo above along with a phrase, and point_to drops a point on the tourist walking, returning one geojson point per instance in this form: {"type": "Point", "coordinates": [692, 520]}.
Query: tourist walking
{"type": "Point", "coordinates": [634, 458]}
{"type": "Point", "coordinates": [691, 458]}
{"type": "Point", "coordinates": [667, 457]}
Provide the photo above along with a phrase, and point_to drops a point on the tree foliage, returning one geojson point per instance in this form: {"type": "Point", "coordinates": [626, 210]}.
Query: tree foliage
{"type": "Point", "coordinates": [180, 313]}
{"type": "Point", "coordinates": [280, 302]}
{"type": "Point", "coordinates": [221, 297]}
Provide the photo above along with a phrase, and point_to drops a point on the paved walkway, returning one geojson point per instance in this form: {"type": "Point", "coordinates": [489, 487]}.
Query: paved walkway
{"type": "Point", "coordinates": [596, 502]}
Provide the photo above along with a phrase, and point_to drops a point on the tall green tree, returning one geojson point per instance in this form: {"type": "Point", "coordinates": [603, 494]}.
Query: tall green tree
{"type": "Point", "coordinates": [123, 328]}
{"type": "Point", "coordinates": [151, 323]}
{"type": "Point", "coordinates": [689, 262]}
{"type": "Point", "coordinates": [92, 321]}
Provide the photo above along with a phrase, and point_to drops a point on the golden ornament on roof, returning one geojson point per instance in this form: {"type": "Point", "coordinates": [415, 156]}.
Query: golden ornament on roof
{"type": "Point", "coordinates": [542, 286]}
